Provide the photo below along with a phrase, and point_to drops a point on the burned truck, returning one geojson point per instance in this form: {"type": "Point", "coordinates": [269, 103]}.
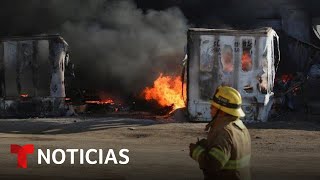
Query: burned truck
{"type": "Point", "coordinates": [32, 76]}
{"type": "Point", "coordinates": [243, 59]}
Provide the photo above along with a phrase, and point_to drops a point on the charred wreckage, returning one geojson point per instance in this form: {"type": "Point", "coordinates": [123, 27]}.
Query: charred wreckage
{"type": "Point", "coordinates": [244, 60]}
{"type": "Point", "coordinates": [36, 75]}
{"type": "Point", "coordinates": [34, 72]}
{"type": "Point", "coordinates": [249, 61]}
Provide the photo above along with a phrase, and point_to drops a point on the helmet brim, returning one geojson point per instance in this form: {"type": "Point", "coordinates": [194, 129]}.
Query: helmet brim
{"type": "Point", "coordinates": [234, 112]}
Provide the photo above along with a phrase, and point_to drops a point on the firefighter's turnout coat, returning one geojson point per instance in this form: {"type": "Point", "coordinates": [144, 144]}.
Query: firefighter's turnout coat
{"type": "Point", "coordinates": [226, 152]}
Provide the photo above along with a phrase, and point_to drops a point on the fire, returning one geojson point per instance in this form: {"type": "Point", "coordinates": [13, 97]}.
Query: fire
{"type": "Point", "coordinates": [104, 101]}
{"type": "Point", "coordinates": [24, 95]}
{"type": "Point", "coordinates": [286, 78]}
{"type": "Point", "coordinates": [167, 91]}
{"type": "Point", "coordinates": [246, 61]}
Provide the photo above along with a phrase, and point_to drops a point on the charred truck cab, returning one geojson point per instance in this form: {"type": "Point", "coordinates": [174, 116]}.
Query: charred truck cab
{"type": "Point", "coordinates": [243, 59]}
{"type": "Point", "coordinates": [32, 76]}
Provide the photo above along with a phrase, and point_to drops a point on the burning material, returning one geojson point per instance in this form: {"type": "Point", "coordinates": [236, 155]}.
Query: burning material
{"type": "Point", "coordinates": [24, 95]}
{"type": "Point", "coordinates": [102, 102]}
{"type": "Point", "coordinates": [288, 91]}
{"type": "Point", "coordinates": [232, 57]}
{"type": "Point", "coordinates": [166, 91]}
{"type": "Point", "coordinates": [246, 61]}
{"type": "Point", "coordinates": [34, 76]}
{"type": "Point", "coordinates": [285, 78]}
{"type": "Point", "coordinates": [102, 106]}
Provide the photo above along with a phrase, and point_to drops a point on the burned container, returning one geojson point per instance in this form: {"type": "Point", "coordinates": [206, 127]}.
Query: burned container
{"type": "Point", "coordinates": [32, 76]}
{"type": "Point", "coordinates": [243, 59]}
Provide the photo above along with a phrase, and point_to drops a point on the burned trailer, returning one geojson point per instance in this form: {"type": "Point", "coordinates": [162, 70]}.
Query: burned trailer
{"type": "Point", "coordinates": [243, 59]}
{"type": "Point", "coordinates": [32, 76]}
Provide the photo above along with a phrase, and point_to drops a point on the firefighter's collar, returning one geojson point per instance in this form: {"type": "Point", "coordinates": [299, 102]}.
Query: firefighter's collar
{"type": "Point", "coordinates": [239, 124]}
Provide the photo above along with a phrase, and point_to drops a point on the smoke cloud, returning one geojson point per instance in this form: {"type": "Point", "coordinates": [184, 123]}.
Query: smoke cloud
{"type": "Point", "coordinates": [126, 47]}
{"type": "Point", "coordinates": [114, 45]}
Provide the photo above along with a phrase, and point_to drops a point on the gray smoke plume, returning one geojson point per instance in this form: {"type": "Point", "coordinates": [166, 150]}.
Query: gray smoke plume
{"type": "Point", "coordinates": [114, 45]}
{"type": "Point", "coordinates": [126, 47]}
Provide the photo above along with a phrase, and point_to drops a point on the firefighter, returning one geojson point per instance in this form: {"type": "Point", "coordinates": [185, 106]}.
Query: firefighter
{"type": "Point", "coordinates": [225, 154]}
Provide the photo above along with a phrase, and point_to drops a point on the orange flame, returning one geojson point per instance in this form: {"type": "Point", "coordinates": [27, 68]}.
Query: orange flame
{"type": "Point", "coordinates": [246, 61]}
{"type": "Point", "coordinates": [24, 95]}
{"type": "Point", "coordinates": [167, 91]}
{"type": "Point", "coordinates": [105, 101]}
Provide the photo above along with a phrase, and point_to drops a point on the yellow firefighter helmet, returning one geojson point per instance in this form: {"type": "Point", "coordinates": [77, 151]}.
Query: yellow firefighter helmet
{"type": "Point", "coordinates": [228, 100]}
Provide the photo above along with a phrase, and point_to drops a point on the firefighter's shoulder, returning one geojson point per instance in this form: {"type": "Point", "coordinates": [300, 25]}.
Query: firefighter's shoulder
{"type": "Point", "coordinates": [234, 123]}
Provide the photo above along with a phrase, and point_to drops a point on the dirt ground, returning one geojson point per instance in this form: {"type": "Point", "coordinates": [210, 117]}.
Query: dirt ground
{"type": "Point", "coordinates": [280, 150]}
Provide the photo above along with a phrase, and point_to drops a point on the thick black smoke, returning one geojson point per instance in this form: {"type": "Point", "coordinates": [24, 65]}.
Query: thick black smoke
{"type": "Point", "coordinates": [122, 45]}
{"type": "Point", "coordinates": [125, 48]}
{"type": "Point", "coordinates": [115, 46]}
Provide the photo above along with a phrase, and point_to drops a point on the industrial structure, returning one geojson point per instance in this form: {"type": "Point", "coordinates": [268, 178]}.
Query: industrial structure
{"type": "Point", "coordinates": [245, 60]}
{"type": "Point", "coordinates": [32, 76]}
